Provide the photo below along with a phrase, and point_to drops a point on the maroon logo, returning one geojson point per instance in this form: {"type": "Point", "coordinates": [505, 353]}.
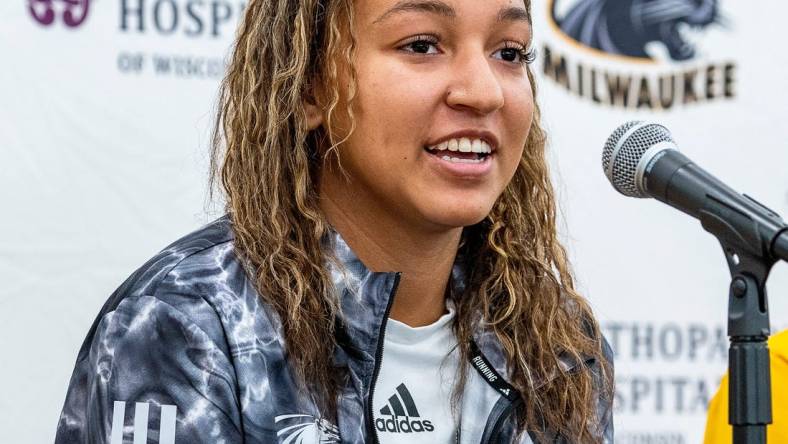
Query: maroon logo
{"type": "Point", "coordinates": [72, 12]}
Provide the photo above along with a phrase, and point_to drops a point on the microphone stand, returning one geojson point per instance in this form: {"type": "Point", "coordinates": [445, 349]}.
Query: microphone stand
{"type": "Point", "coordinates": [747, 237]}
{"type": "Point", "coordinates": [749, 384]}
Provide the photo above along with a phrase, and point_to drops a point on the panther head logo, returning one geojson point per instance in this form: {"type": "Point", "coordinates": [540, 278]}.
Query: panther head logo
{"type": "Point", "coordinates": [73, 12]}
{"type": "Point", "coordinates": [625, 27]}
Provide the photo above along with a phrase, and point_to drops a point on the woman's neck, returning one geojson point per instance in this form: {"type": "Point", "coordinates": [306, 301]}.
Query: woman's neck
{"type": "Point", "coordinates": [424, 257]}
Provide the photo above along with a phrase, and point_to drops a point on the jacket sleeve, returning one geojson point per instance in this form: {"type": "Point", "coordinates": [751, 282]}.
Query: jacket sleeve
{"type": "Point", "coordinates": [151, 373]}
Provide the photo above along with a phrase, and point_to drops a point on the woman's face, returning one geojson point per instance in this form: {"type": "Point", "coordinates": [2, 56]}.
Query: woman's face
{"type": "Point", "coordinates": [443, 108]}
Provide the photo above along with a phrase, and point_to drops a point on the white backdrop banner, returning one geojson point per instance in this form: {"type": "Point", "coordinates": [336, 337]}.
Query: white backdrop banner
{"type": "Point", "coordinates": [107, 107]}
{"type": "Point", "coordinates": [708, 70]}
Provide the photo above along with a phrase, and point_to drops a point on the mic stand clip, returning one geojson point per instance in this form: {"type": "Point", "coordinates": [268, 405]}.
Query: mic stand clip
{"type": "Point", "coordinates": [749, 383]}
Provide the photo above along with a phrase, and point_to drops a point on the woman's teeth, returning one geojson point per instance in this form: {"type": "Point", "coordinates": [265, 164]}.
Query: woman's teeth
{"type": "Point", "coordinates": [463, 150]}
{"type": "Point", "coordinates": [459, 160]}
{"type": "Point", "coordinates": [463, 145]}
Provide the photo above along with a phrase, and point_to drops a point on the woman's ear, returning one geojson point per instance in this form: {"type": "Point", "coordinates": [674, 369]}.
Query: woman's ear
{"type": "Point", "coordinates": [314, 118]}
{"type": "Point", "coordinates": [314, 113]}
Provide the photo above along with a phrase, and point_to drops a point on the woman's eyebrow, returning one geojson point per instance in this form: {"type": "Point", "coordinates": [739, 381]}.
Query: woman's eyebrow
{"type": "Point", "coordinates": [514, 14]}
{"type": "Point", "coordinates": [432, 6]}
{"type": "Point", "coordinates": [510, 14]}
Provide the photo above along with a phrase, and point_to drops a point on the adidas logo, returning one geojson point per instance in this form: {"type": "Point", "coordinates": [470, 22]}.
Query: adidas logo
{"type": "Point", "coordinates": [402, 410]}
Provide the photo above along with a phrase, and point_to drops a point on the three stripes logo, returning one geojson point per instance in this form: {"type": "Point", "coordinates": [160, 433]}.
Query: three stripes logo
{"type": "Point", "coordinates": [402, 411]}
{"type": "Point", "coordinates": [166, 427]}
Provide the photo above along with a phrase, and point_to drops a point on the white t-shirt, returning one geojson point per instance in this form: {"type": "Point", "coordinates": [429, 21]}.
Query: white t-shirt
{"type": "Point", "coordinates": [412, 397]}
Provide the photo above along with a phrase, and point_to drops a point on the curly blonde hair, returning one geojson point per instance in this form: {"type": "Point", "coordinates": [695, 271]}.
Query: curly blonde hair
{"type": "Point", "coordinates": [268, 163]}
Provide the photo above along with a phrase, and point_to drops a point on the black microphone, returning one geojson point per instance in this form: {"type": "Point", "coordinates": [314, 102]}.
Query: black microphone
{"type": "Point", "coordinates": [641, 160]}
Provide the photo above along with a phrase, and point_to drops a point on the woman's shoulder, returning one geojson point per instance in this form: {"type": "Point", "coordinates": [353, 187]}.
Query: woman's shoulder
{"type": "Point", "coordinates": [159, 334]}
{"type": "Point", "coordinates": [198, 278]}
{"type": "Point", "coordinates": [200, 264]}
{"type": "Point", "coordinates": [202, 256]}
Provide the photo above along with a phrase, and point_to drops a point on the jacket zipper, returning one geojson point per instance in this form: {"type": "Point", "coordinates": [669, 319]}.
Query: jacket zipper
{"type": "Point", "coordinates": [378, 359]}
{"type": "Point", "coordinates": [496, 430]}
{"type": "Point", "coordinates": [499, 421]}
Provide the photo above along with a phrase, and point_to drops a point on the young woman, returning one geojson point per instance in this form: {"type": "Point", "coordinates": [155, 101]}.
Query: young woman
{"type": "Point", "coordinates": [388, 269]}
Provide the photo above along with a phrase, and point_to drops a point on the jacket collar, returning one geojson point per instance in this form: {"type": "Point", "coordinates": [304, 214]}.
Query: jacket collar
{"type": "Point", "coordinates": [365, 298]}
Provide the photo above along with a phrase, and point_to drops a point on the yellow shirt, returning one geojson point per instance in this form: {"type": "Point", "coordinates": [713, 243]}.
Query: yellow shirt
{"type": "Point", "coordinates": [718, 431]}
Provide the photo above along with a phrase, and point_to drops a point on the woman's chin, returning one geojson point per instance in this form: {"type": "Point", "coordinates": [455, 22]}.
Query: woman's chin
{"type": "Point", "coordinates": [457, 216]}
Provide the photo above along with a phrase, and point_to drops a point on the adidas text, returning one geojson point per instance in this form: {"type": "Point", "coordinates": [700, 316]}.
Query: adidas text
{"type": "Point", "coordinates": [397, 424]}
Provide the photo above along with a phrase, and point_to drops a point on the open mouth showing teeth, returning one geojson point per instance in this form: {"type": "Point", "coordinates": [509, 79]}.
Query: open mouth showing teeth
{"type": "Point", "coordinates": [461, 150]}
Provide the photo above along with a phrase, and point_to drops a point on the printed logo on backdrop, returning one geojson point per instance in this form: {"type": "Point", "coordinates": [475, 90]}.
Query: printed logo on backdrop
{"type": "Point", "coordinates": [186, 18]}
{"type": "Point", "coordinates": [157, 24]}
{"type": "Point", "coordinates": [164, 21]}
{"type": "Point", "coordinates": [666, 371]}
{"type": "Point", "coordinates": [637, 54]}
{"type": "Point", "coordinates": [72, 13]}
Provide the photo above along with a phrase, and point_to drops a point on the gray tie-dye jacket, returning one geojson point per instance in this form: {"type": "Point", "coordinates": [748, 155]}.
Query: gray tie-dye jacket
{"type": "Point", "coordinates": [185, 351]}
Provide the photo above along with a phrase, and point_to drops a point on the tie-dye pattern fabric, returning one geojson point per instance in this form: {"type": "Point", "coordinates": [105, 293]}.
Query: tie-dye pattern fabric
{"type": "Point", "coordinates": [187, 332]}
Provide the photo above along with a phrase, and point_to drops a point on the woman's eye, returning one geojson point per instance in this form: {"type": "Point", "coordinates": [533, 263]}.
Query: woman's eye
{"type": "Point", "coordinates": [421, 46]}
{"type": "Point", "coordinates": [426, 45]}
{"type": "Point", "coordinates": [510, 54]}
{"type": "Point", "coordinates": [516, 55]}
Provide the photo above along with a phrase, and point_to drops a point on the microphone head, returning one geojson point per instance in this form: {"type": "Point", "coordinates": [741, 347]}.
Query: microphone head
{"type": "Point", "coordinates": [628, 151]}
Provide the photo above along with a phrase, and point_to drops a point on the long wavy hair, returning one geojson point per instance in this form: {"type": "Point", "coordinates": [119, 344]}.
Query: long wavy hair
{"type": "Point", "coordinates": [268, 164]}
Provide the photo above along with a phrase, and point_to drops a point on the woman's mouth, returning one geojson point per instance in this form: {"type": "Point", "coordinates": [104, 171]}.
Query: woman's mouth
{"type": "Point", "coordinates": [461, 158]}
{"type": "Point", "coordinates": [462, 150]}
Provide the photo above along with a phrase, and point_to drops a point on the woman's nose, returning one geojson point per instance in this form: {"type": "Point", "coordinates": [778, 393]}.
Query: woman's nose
{"type": "Point", "coordinates": [474, 85]}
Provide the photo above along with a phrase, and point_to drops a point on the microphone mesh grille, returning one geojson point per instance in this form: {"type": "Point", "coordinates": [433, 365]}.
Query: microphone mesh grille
{"type": "Point", "coordinates": [610, 145]}
{"type": "Point", "coordinates": [626, 160]}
